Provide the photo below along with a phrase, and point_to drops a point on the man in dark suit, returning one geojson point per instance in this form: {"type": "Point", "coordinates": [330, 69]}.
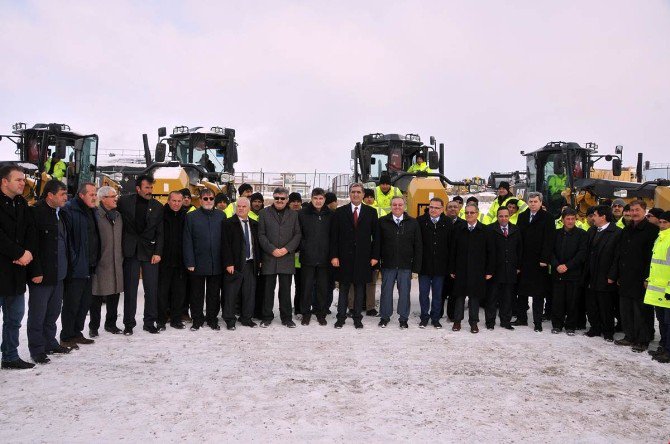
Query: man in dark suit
{"type": "Point", "coordinates": [634, 257]}
{"type": "Point", "coordinates": [508, 250]}
{"type": "Point", "coordinates": [448, 298]}
{"type": "Point", "coordinates": [142, 250]}
{"type": "Point", "coordinates": [171, 270]}
{"type": "Point", "coordinates": [354, 250]}
{"type": "Point", "coordinates": [18, 239]}
{"type": "Point", "coordinates": [600, 273]}
{"type": "Point", "coordinates": [241, 255]}
{"type": "Point", "coordinates": [471, 264]}
{"type": "Point", "coordinates": [435, 232]}
{"type": "Point", "coordinates": [537, 232]}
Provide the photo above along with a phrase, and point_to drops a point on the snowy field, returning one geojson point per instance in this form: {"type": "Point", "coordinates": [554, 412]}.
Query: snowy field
{"type": "Point", "coordinates": [320, 384]}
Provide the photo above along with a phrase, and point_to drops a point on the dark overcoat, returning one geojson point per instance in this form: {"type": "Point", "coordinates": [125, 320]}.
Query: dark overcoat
{"type": "Point", "coordinates": [538, 242]}
{"type": "Point", "coordinates": [472, 258]}
{"type": "Point", "coordinates": [354, 246]}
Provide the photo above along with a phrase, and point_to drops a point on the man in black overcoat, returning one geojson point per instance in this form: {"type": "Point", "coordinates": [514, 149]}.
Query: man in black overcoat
{"type": "Point", "coordinates": [353, 252]}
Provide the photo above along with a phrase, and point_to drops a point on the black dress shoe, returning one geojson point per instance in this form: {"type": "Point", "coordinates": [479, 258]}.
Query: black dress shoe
{"type": "Point", "coordinates": [305, 319]}
{"type": "Point", "coordinates": [519, 323]}
{"type": "Point", "coordinates": [508, 327]}
{"type": "Point", "coordinates": [423, 323]}
{"type": "Point", "coordinates": [556, 331]}
{"type": "Point", "coordinates": [196, 326]}
{"type": "Point", "coordinates": [289, 324]}
{"type": "Point", "coordinates": [17, 364]}
{"type": "Point", "coordinates": [151, 329]}
{"type": "Point", "coordinates": [113, 330]}
{"type": "Point", "coordinates": [609, 338]}
{"type": "Point", "coordinates": [179, 325]}
{"type": "Point", "coordinates": [250, 324]}
{"type": "Point", "coordinates": [322, 320]}
{"type": "Point", "coordinates": [82, 340]}
{"type": "Point", "coordinates": [490, 326]}
{"type": "Point", "coordinates": [403, 325]}
{"type": "Point", "coordinates": [214, 325]}
{"type": "Point", "coordinates": [358, 325]}
{"type": "Point", "coordinates": [339, 324]}
{"type": "Point", "coordinates": [623, 342]}
{"type": "Point", "coordinates": [372, 312]}
{"type": "Point", "coordinates": [383, 322]}
{"type": "Point", "coordinates": [230, 327]}
{"type": "Point", "coordinates": [128, 331]}
{"type": "Point", "coordinates": [160, 327]}
{"type": "Point", "coordinates": [93, 333]}
{"type": "Point", "coordinates": [41, 359]}
{"type": "Point", "coordinates": [538, 328]}
{"type": "Point", "coordinates": [437, 325]}
{"type": "Point", "coordinates": [69, 344]}
{"type": "Point", "coordinates": [59, 349]}
{"type": "Point", "coordinates": [592, 333]}
{"type": "Point", "coordinates": [265, 324]}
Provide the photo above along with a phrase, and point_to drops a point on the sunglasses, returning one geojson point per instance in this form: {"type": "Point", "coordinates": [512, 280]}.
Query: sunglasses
{"type": "Point", "coordinates": [471, 212]}
{"type": "Point", "coordinates": [279, 198]}
{"type": "Point", "coordinates": [206, 199]}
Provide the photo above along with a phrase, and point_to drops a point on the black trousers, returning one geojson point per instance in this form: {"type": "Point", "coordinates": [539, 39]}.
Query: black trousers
{"type": "Point", "coordinates": [44, 308]}
{"type": "Point", "coordinates": [76, 302]}
{"type": "Point", "coordinates": [314, 276]}
{"type": "Point", "coordinates": [499, 293]}
{"type": "Point", "coordinates": [112, 309]}
{"type": "Point", "coordinates": [581, 307]}
{"type": "Point", "coordinates": [564, 311]}
{"type": "Point", "coordinates": [186, 304]}
{"type": "Point", "coordinates": [171, 293]}
{"type": "Point", "coordinates": [473, 309]}
{"type": "Point", "coordinates": [447, 298]}
{"type": "Point", "coordinates": [297, 296]}
{"type": "Point", "coordinates": [660, 317]}
{"type": "Point", "coordinates": [637, 319]}
{"type": "Point", "coordinates": [284, 295]}
{"type": "Point", "coordinates": [343, 299]}
{"type": "Point", "coordinates": [600, 306]}
{"type": "Point", "coordinates": [260, 297]}
{"type": "Point", "coordinates": [131, 280]}
{"type": "Point", "coordinates": [205, 289]}
{"type": "Point", "coordinates": [522, 308]}
{"type": "Point", "coordinates": [239, 290]}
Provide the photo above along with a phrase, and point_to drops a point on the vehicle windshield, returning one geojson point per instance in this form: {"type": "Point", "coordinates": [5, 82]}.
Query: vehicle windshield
{"type": "Point", "coordinates": [377, 165]}
{"type": "Point", "coordinates": [209, 158]}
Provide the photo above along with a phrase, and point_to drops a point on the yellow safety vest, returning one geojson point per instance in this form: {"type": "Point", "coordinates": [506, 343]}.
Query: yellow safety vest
{"type": "Point", "coordinates": [418, 167]}
{"type": "Point", "coordinates": [620, 223]}
{"type": "Point", "coordinates": [59, 169]}
{"type": "Point", "coordinates": [380, 211]}
{"type": "Point", "coordinates": [383, 201]}
{"type": "Point", "coordinates": [556, 184]}
{"type": "Point", "coordinates": [658, 283]}
{"type": "Point", "coordinates": [492, 215]}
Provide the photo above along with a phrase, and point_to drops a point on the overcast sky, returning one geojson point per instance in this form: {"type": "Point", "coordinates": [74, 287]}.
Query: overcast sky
{"type": "Point", "coordinates": [302, 81]}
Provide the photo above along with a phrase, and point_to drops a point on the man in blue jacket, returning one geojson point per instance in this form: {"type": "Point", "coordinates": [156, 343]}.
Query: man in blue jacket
{"type": "Point", "coordinates": [202, 259]}
{"type": "Point", "coordinates": [84, 242]}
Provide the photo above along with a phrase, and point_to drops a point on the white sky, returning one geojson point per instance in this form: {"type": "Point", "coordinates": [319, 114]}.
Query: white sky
{"type": "Point", "coordinates": [302, 81]}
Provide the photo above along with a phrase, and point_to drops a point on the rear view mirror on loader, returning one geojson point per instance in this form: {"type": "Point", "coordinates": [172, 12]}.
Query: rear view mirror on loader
{"type": "Point", "coordinates": [162, 132]}
{"type": "Point", "coordinates": [616, 167]}
{"type": "Point", "coordinates": [160, 152]}
{"type": "Point", "coordinates": [433, 160]}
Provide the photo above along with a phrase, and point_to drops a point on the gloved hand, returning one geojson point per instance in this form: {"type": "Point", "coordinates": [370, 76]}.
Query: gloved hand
{"type": "Point", "coordinates": [667, 296]}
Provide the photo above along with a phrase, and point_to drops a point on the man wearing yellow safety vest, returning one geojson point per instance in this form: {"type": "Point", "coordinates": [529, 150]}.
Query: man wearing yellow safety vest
{"type": "Point", "coordinates": [385, 192]}
{"type": "Point", "coordinates": [257, 204]}
{"type": "Point", "coordinates": [55, 166]}
{"type": "Point", "coordinates": [658, 287]}
{"type": "Point", "coordinates": [244, 190]}
{"type": "Point", "coordinates": [617, 211]}
{"type": "Point", "coordinates": [503, 198]}
{"type": "Point", "coordinates": [369, 199]}
{"type": "Point", "coordinates": [420, 165]}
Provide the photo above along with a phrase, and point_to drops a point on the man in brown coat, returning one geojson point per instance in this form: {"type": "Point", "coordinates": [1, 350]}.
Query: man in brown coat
{"type": "Point", "coordinates": [108, 277]}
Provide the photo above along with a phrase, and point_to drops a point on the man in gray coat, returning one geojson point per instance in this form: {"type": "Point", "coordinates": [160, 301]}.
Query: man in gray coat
{"type": "Point", "coordinates": [108, 277]}
{"type": "Point", "coordinates": [279, 237]}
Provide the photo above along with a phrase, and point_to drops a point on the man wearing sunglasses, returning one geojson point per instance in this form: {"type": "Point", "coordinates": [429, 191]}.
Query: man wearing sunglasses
{"type": "Point", "coordinates": [279, 237]}
{"type": "Point", "coordinates": [202, 258]}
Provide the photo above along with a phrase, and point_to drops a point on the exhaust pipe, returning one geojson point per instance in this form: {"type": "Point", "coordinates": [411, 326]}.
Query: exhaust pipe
{"type": "Point", "coordinates": [638, 170]}
{"type": "Point", "coordinates": [147, 151]}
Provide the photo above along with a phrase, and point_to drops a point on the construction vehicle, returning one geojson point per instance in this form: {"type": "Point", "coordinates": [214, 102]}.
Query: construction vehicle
{"type": "Point", "coordinates": [395, 153]}
{"type": "Point", "coordinates": [564, 173]}
{"type": "Point", "coordinates": [34, 146]}
{"type": "Point", "coordinates": [197, 159]}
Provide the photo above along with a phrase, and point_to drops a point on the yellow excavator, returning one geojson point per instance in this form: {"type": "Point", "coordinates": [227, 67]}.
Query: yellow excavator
{"type": "Point", "coordinates": [196, 159]}
{"type": "Point", "coordinates": [41, 147]}
{"type": "Point", "coordinates": [394, 154]}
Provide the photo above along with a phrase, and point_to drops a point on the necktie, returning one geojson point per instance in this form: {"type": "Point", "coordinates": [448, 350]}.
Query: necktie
{"type": "Point", "coordinates": [247, 243]}
{"type": "Point", "coordinates": [434, 221]}
{"type": "Point", "coordinates": [397, 221]}
{"type": "Point", "coordinates": [600, 229]}
{"type": "Point", "coordinates": [504, 231]}
{"type": "Point", "coordinates": [530, 219]}
{"type": "Point", "coordinates": [470, 227]}
{"type": "Point", "coordinates": [57, 214]}
{"type": "Point", "coordinates": [355, 216]}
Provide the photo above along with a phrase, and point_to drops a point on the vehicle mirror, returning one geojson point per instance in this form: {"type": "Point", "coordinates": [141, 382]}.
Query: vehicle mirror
{"type": "Point", "coordinates": [162, 132]}
{"type": "Point", "coordinates": [373, 161]}
{"type": "Point", "coordinates": [616, 167]}
{"type": "Point", "coordinates": [432, 140]}
{"type": "Point", "coordinates": [433, 160]}
{"type": "Point", "coordinates": [160, 152]}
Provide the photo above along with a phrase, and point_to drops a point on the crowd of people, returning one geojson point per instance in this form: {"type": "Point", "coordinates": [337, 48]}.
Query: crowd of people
{"type": "Point", "coordinates": [78, 255]}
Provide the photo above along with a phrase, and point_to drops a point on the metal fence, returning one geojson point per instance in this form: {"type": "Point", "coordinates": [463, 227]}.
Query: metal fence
{"type": "Point", "coordinates": [303, 183]}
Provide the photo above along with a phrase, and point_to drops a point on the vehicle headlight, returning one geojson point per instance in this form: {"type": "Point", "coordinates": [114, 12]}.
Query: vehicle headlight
{"type": "Point", "coordinates": [226, 177]}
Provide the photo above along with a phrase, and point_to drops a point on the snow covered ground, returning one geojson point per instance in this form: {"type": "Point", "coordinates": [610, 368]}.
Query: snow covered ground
{"type": "Point", "coordinates": [320, 384]}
